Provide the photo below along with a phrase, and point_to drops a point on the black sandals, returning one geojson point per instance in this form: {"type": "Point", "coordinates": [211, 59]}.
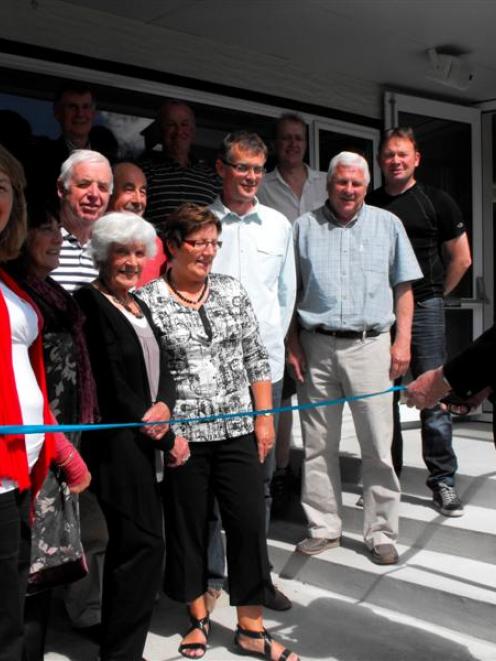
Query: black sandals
{"type": "Point", "coordinates": [204, 626]}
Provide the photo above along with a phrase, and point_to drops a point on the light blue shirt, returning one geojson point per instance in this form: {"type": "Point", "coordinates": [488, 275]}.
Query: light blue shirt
{"type": "Point", "coordinates": [347, 273]}
{"type": "Point", "coordinates": [257, 249]}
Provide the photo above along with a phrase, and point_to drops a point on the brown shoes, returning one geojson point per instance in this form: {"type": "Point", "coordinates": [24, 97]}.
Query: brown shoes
{"type": "Point", "coordinates": [316, 545]}
{"type": "Point", "coordinates": [384, 554]}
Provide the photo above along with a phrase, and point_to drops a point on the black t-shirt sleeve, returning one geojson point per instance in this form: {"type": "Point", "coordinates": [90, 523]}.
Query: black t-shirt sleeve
{"type": "Point", "coordinates": [449, 215]}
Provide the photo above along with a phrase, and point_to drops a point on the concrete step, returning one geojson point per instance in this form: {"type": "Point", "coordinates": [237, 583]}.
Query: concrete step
{"type": "Point", "coordinates": [421, 526]}
{"type": "Point", "coordinates": [442, 589]}
{"type": "Point", "coordinates": [476, 477]}
{"type": "Point", "coordinates": [472, 535]}
{"type": "Point", "coordinates": [321, 626]}
{"type": "Point", "coordinates": [446, 574]}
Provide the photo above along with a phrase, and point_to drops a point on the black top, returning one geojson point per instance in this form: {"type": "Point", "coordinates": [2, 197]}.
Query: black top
{"type": "Point", "coordinates": [430, 217]}
{"type": "Point", "coordinates": [122, 461]}
{"type": "Point", "coordinates": [169, 185]}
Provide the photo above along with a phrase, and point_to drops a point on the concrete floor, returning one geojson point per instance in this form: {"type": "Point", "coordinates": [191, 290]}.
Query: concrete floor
{"type": "Point", "coordinates": [321, 625]}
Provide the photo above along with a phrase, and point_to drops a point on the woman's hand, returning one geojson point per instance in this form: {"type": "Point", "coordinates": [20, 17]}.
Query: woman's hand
{"type": "Point", "coordinates": [265, 435]}
{"type": "Point", "coordinates": [156, 413]}
{"type": "Point", "coordinates": [82, 485]}
{"type": "Point", "coordinates": [70, 462]}
{"type": "Point", "coordinates": [180, 452]}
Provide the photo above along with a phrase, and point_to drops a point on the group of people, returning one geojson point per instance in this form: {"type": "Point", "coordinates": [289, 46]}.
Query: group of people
{"type": "Point", "coordinates": [192, 314]}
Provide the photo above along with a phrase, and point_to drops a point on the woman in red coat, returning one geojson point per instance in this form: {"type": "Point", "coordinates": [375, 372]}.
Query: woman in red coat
{"type": "Point", "coordinates": [24, 459]}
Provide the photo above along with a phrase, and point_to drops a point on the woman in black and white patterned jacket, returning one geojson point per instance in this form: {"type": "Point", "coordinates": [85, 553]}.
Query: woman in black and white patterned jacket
{"type": "Point", "coordinates": [216, 357]}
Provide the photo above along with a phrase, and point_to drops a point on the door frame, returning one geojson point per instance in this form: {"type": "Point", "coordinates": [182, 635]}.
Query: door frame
{"type": "Point", "coordinates": [347, 128]}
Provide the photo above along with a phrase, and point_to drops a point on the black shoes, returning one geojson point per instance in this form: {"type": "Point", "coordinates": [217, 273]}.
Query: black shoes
{"type": "Point", "coordinates": [446, 500]}
{"type": "Point", "coordinates": [277, 601]}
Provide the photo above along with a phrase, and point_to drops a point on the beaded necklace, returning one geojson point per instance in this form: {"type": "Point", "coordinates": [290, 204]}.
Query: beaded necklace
{"type": "Point", "coordinates": [184, 298]}
{"type": "Point", "coordinates": [126, 304]}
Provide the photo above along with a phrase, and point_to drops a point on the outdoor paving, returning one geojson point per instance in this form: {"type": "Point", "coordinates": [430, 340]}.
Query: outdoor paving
{"type": "Point", "coordinates": [339, 623]}
{"type": "Point", "coordinates": [321, 625]}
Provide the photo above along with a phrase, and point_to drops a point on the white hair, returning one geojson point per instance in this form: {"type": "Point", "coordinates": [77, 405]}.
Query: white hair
{"type": "Point", "coordinates": [82, 156]}
{"type": "Point", "coordinates": [349, 159]}
{"type": "Point", "coordinates": [121, 227]}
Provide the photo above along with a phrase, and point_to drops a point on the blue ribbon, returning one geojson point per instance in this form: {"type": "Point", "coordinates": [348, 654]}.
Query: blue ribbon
{"type": "Point", "coordinates": [39, 429]}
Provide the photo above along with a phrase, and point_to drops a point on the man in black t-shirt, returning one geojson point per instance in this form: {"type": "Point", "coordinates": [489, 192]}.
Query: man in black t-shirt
{"type": "Point", "coordinates": [435, 227]}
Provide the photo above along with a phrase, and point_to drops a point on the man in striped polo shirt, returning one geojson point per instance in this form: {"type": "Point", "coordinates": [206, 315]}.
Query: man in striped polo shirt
{"type": "Point", "coordinates": [84, 188]}
{"type": "Point", "coordinates": [174, 175]}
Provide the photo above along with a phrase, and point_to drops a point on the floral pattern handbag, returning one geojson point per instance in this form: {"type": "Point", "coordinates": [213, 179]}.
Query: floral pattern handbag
{"type": "Point", "coordinates": [57, 555]}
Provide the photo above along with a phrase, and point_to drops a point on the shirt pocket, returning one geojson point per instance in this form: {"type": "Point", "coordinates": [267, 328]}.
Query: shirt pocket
{"type": "Point", "coordinates": [269, 260]}
{"type": "Point", "coordinates": [374, 257]}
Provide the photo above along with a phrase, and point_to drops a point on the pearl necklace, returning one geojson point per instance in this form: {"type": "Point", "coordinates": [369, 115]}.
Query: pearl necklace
{"type": "Point", "coordinates": [126, 304]}
{"type": "Point", "coordinates": [179, 295]}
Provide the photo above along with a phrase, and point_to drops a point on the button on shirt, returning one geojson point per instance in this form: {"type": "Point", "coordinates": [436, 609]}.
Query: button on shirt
{"type": "Point", "coordinates": [346, 273]}
{"type": "Point", "coordinates": [257, 249]}
{"type": "Point", "coordinates": [276, 193]}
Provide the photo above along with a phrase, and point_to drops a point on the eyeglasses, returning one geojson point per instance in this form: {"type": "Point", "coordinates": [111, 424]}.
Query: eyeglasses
{"type": "Point", "coordinates": [201, 244]}
{"type": "Point", "coordinates": [244, 168]}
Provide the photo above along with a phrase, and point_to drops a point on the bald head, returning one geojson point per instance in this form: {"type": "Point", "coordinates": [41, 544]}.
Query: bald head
{"type": "Point", "coordinates": [129, 189]}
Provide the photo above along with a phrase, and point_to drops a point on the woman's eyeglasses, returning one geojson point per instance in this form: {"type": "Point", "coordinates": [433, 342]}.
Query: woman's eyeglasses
{"type": "Point", "coordinates": [201, 244]}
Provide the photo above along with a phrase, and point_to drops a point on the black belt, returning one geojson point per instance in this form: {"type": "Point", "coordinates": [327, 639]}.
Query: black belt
{"type": "Point", "coordinates": [348, 334]}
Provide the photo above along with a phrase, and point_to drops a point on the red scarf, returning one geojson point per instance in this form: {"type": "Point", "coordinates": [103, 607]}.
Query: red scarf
{"type": "Point", "coordinates": [13, 457]}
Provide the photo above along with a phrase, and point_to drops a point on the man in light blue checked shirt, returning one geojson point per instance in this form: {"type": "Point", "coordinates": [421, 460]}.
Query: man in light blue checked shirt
{"type": "Point", "coordinates": [355, 266]}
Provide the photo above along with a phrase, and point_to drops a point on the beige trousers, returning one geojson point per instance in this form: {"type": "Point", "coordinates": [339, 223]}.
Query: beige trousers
{"type": "Point", "coordinates": [335, 368]}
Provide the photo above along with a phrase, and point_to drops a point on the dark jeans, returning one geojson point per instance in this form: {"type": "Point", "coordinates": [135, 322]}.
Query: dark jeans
{"type": "Point", "coordinates": [15, 555]}
{"type": "Point", "coordinates": [429, 352]}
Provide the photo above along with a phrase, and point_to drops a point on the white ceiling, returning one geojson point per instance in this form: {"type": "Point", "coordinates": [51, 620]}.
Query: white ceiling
{"type": "Point", "coordinates": [330, 52]}
{"type": "Point", "coordinates": [383, 41]}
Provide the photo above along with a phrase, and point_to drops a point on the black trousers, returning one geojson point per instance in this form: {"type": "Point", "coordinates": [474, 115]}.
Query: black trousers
{"type": "Point", "coordinates": [36, 617]}
{"type": "Point", "coordinates": [230, 471]}
{"type": "Point", "coordinates": [15, 556]}
{"type": "Point", "coordinates": [131, 577]}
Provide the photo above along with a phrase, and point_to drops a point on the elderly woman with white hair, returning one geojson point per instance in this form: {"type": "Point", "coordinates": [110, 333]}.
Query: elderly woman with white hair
{"type": "Point", "coordinates": [133, 384]}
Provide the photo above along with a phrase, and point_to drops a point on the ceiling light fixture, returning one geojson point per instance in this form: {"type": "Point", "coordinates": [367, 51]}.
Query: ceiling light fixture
{"type": "Point", "coordinates": [449, 70]}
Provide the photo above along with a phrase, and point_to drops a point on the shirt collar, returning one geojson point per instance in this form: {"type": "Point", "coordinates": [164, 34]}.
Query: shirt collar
{"type": "Point", "coordinates": [328, 213]}
{"type": "Point", "coordinates": [72, 147]}
{"type": "Point", "coordinates": [192, 160]}
{"type": "Point", "coordinates": [311, 175]}
{"type": "Point", "coordinates": [67, 236]}
{"type": "Point", "coordinates": [226, 214]}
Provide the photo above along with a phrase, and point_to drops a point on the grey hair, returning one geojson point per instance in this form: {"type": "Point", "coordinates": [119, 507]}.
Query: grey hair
{"type": "Point", "coordinates": [349, 159]}
{"type": "Point", "coordinates": [82, 156]}
{"type": "Point", "coordinates": [120, 227]}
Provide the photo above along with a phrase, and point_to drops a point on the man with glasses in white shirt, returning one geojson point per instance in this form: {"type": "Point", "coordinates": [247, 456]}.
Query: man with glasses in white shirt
{"type": "Point", "coordinates": [257, 250]}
